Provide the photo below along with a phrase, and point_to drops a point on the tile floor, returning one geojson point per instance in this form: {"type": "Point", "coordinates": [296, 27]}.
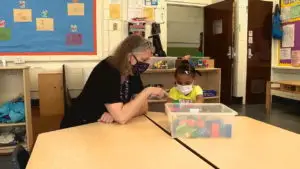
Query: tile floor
{"type": "Point", "coordinates": [286, 116]}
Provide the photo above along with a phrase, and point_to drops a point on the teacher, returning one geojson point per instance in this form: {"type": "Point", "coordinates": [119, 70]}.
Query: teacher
{"type": "Point", "coordinates": [114, 90]}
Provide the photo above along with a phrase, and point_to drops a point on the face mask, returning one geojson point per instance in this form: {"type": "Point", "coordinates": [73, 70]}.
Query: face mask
{"type": "Point", "coordinates": [139, 67]}
{"type": "Point", "coordinates": [185, 89]}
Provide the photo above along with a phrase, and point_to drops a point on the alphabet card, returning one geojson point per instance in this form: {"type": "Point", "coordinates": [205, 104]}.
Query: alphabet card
{"type": "Point", "coordinates": [44, 23]}
{"type": "Point", "coordinates": [75, 8]}
{"type": "Point", "coordinates": [22, 15]}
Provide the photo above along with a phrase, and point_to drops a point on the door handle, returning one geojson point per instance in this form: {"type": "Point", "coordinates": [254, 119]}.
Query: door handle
{"type": "Point", "coordinates": [229, 53]}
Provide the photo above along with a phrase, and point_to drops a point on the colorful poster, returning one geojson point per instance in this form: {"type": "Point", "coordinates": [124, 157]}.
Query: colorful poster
{"type": "Point", "coordinates": [5, 34]}
{"type": "Point", "coordinates": [44, 24]}
{"type": "Point", "coordinates": [149, 13]}
{"type": "Point", "coordinates": [115, 11]}
{"type": "Point", "coordinates": [76, 9]}
{"type": "Point", "coordinates": [22, 15]}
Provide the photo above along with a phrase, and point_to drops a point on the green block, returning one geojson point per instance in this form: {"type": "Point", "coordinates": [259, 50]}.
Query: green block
{"type": "Point", "coordinates": [5, 34]}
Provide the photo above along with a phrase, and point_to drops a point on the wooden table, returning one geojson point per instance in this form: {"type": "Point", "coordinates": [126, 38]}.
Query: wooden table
{"type": "Point", "coordinates": [286, 89]}
{"type": "Point", "coordinates": [254, 145]}
{"type": "Point", "coordinates": [137, 145]}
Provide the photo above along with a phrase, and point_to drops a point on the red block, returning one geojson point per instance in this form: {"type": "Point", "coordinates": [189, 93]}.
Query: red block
{"type": "Point", "coordinates": [215, 130]}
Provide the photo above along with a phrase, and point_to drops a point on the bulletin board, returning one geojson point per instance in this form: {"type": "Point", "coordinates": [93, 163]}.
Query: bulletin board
{"type": "Point", "coordinates": [290, 44]}
{"type": "Point", "coordinates": [48, 27]}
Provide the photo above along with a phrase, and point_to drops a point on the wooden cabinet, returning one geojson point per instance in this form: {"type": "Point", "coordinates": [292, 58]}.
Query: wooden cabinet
{"type": "Point", "coordinates": [51, 94]}
{"type": "Point", "coordinates": [15, 82]}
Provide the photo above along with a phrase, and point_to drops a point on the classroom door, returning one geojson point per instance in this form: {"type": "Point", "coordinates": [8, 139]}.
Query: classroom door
{"type": "Point", "coordinates": [259, 50]}
{"type": "Point", "coordinates": [218, 42]}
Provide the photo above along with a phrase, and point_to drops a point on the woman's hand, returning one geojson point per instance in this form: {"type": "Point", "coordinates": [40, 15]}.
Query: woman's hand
{"type": "Point", "coordinates": [106, 118]}
{"type": "Point", "coordinates": [156, 92]}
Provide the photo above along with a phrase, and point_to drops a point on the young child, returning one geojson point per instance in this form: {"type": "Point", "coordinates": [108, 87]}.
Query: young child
{"type": "Point", "coordinates": [185, 90]}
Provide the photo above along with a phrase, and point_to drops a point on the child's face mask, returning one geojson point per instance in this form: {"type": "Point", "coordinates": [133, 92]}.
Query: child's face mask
{"type": "Point", "coordinates": [185, 89]}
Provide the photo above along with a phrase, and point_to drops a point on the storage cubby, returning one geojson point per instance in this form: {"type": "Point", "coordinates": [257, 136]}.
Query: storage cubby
{"type": "Point", "coordinates": [14, 82]}
{"type": "Point", "coordinates": [210, 79]}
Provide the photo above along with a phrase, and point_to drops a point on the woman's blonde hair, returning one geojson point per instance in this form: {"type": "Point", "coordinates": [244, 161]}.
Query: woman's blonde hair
{"type": "Point", "coordinates": [131, 44]}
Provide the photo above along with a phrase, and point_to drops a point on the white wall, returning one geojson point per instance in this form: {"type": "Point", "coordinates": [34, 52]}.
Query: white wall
{"type": "Point", "coordinates": [240, 58]}
{"type": "Point", "coordinates": [79, 67]}
{"type": "Point", "coordinates": [184, 29]}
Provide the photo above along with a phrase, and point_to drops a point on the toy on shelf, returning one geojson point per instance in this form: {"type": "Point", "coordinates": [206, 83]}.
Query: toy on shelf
{"type": "Point", "coordinates": [209, 93]}
{"type": "Point", "coordinates": [162, 64]}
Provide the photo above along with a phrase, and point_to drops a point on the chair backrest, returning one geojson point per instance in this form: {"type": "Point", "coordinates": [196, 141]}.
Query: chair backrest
{"type": "Point", "coordinates": [67, 97]}
{"type": "Point", "coordinates": [20, 158]}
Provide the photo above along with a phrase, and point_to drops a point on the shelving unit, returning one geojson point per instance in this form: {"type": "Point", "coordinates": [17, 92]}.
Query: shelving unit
{"type": "Point", "coordinates": [15, 81]}
{"type": "Point", "coordinates": [210, 80]}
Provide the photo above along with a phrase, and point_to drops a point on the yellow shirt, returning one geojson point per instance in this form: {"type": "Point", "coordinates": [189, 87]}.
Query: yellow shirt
{"type": "Point", "coordinates": [190, 98]}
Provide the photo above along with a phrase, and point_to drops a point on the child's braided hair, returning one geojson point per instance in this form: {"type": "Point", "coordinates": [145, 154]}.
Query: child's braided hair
{"type": "Point", "coordinates": [186, 68]}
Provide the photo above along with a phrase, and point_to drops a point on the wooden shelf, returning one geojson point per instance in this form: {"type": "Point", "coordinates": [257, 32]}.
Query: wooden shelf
{"type": "Point", "coordinates": [21, 78]}
{"type": "Point", "coordinates": [10, 149]}
{"type": "Point", "coordinates": [13, 67]}
{"type": "Point", "coordinates": [12, 124]}
{"type": "Point", "coordinates": [286, 67]}
{"type": "Point", "coordinates": [210, 98]}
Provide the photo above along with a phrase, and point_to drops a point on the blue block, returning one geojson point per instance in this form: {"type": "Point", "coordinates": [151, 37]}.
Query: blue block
{"type": "Point", "coordinates": [228, 130]}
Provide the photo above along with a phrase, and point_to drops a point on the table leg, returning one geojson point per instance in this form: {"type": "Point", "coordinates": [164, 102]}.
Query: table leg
{"type": "Point", "coordinates": [268, 98]}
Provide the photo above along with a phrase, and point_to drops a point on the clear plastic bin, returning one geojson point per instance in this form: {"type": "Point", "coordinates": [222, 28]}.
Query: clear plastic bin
{"type": "Point", "coordinates": [170, 61]}
{"type": "Point", "coordinates": [206, 120]}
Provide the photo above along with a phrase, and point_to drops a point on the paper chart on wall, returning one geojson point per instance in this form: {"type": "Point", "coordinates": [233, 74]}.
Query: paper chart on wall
{"type": "Point", "coordinates": [294, 12]}
{"type": "Point", "coordinates": [114, 1]}
{"type": "Point", "coordinates": [288, 35]}
{"type": "Point", "coordinates": [135, 13]}
{"type": "Point", "coordinates": [22, 15]}
{"type": "Point", "coordinates": [115, 11]}
{"type": "Point", "coordinates": [159, 15]}
{"type": "Point", "coordinates": [285, 13]}
{"type": "Point", "coordinates": [285, 53]}
{"type": "Point", "coordinates": [135, 3]}
{"type": "Point", "coordinates": [149, 13]}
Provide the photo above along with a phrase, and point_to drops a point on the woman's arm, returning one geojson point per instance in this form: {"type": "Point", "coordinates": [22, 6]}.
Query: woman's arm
{"type": "Point", "coordinates": [122, 113]}
{"type": "Point", "coordinates": [144, 108]}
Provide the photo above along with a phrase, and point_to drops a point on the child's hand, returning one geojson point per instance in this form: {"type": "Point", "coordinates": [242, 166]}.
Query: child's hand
{"type": "Point", "coordinates": [106, 118]}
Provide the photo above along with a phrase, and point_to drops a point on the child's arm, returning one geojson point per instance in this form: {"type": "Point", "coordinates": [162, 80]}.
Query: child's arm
{"type": "Point", "coordinates": [199, 99]}
{"type": "Point", "coordinates": [199, 94]}
{"type": "Point", "coordinates": [170, 100]}
{"type": "Point", "coordinates": [172, 95]}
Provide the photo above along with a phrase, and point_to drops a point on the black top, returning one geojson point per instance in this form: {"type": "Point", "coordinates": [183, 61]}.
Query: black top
{"type": "Point", "coordinates": [102, 87]}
